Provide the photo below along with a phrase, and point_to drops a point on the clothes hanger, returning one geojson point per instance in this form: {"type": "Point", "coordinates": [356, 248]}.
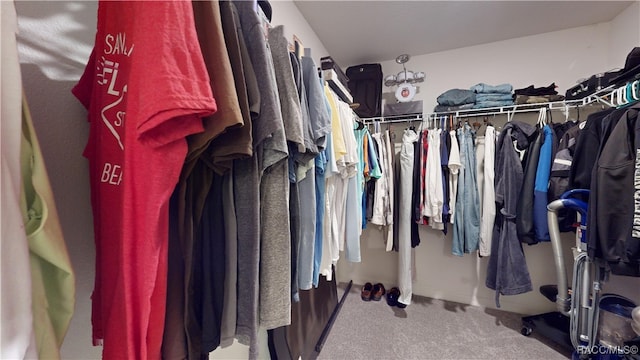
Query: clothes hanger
{"type": "Point", "coordinates": [477, 125]}
{"type": "Point", "coordinates": [510, 115]}
{"type": "Point", "coordinates": [617, 99]}
{"type": "Point", "coordinates": [487, 122]}
{"type": "Point", "coordinates": [623, 95]}
{"type": "Point", "coordinates": [635, 90]}
{"type": "Point", "coordinates": [539, 124]}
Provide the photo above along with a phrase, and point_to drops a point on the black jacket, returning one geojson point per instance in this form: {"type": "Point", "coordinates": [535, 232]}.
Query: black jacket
{"type": "Point", "coordinates": [524, 221]}
{"type": "Point", "coordinates": [614, 234]}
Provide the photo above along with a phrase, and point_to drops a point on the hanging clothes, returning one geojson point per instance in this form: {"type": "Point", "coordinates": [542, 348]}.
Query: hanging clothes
{"type": "Point", "coordinates": [524, 220]}
{"type": "Point", "coordinates": [374, 173]}
{"type": "Point", "coordinates": [424, 154]}
{"type": "Point", "coordinates": [270, 139]}
{"type": "Point", "coordinates": [434, 198]}
{"type": "Point", "coordinates": [616, 237]}
{"type": "Point", "coordinates": [587, 150]}
{"type": "Point", "coordinates": [416, 216]}
{"type": "Point", "coordinates": [321, 168]}
{"type": "Point", "coordinates": [330, 245]}
{"type": "Point", "coordinates": [404, 216]}
{"type": "Point", "coordinates": [479, 146]}
{"type": "Point", "coordinates": [445, 145]}
{"type": "Point", "coordinates": [599, 138]}
{"type": "Point", "coordinates": [206, 285]}
{"type": "Point", "coordinates": [52, 277]}
{"type": "Point", "coordinates": [507, 271]}
{"type": "Point", "coordinates": [210, 242]}
{"type": "Point", "coordinates": [540, 199]}
{"type": "Point", "coordinates": [290, 107]}
{"type": "Point", "coordinates": [361, 133]}
{"type": "Point", "coordinates": [352, 228]}
{"type": "Point", "coordinates": [119, 178]}
{"type": "Point", "coordinates": [330, 172]}
{"type": "Point", "coordinates": [307, 198]}
{"type": "Point", "coordinates": [229, 306]}
{"type": "Point", "coordinates": [245, 177]}
{"type": "Point", "coordinates": [379, 216]}
{"type": "Point", "coordinates": [466, 228]}
{"type": "Point", "coordinates": [389, 212]}
{"type": "Point", "coordinates": [208, 23]}
{"type": "Point", "coordinates": [455, 166]}
{"type": "Point", "coordinates": [17, 340]}
{"type": "Point", "coordinates": [488, 191]}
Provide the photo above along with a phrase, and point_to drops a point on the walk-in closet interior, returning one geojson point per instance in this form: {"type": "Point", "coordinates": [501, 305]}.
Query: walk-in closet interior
{"type": "Point", "coordinates": [293, 179]}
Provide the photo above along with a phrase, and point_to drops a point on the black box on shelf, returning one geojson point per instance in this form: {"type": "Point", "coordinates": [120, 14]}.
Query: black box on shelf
{"type": "Point", "coordinates": [403, 108]}
{"type": "Point", "coordinates": [327, 63]}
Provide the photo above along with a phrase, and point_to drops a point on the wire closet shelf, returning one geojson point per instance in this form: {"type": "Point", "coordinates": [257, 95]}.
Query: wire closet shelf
{"type": "Point", "coordinates": [609, 96]}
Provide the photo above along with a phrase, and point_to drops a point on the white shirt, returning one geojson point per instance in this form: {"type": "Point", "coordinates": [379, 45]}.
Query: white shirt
{"type": "Point", "coordinates": [434, 196]}
{"type": "Point", "coordinates": [454, 168]}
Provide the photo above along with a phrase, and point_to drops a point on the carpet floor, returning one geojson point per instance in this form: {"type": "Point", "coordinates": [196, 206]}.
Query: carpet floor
{"type": "Point", "coordinates": [430, 329]}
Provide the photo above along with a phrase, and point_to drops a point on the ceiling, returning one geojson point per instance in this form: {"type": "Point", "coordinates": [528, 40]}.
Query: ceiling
{"type": "Point", "coordinates": [357, 32]}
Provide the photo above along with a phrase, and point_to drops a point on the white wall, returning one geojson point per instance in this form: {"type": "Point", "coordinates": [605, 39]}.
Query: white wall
{"type": "Point", "coordinates": [562, 57]}
{"type": "Point", "coordinates": [286, 13]}
{"type": "Point", "coordinates": [624, 35]}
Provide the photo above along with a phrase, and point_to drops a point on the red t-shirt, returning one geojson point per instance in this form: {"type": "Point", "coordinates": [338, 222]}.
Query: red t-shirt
{"type": "Point", "coordinates": [146, 88]}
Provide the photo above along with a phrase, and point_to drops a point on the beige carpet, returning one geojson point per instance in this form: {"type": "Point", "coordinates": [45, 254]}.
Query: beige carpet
{"type": "Point", "coordinates": [430, 329]}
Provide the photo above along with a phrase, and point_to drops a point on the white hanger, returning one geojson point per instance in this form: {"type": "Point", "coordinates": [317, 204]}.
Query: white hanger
{"type": "Point", "coordinates": [612, 95]}
{"type": "Point", "coordinates": [635, 90]}
{"type": "Point", "coordinates": [622, 99]}
{"type": "Point", "coordinates": [541, 115]}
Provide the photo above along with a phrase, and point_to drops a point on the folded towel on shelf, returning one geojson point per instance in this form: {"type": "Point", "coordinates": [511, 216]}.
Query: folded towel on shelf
{"type": "Point", "coordinates": [493, 97]}
{"type": "Point", "coordinates": [484, 88]}
{"type": "Point", "coordinates": [525, 99]}
{"type": "Point", "coordinates": [489, 104]}
{"type": "Point", "coordinates": [456, 97]}
{"type": "Point", "coordinates": [534, 91]}
{"type": "Point", "coordinates": [445, 108]}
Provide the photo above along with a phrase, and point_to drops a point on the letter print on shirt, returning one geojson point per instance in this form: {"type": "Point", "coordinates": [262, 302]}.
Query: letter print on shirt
{"type": "Point", "coordinates": [113, 114]}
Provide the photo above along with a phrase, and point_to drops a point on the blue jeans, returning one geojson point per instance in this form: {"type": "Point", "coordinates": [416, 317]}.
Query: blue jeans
{"type": "Point", "coordinates": [455, 97]}
{"type": "Point", "coordinates": [488, 104]}
{"type": "Point", "coordinates": [484, 88]}
{"type": "Point", "coordinates": [466, 227]}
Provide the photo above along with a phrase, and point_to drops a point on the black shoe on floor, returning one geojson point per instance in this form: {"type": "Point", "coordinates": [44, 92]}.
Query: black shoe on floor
{"type": "Point", "coordinates": [392, 296]}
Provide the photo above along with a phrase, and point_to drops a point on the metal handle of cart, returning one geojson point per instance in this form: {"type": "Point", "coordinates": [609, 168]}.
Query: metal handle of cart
{"type": "Point", "coordinates": [581, 305]}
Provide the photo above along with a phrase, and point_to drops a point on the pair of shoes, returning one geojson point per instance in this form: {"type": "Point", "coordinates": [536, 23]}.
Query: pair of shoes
{"type": "Point", "coordinates": [372, 292]}
{"type": "Point", "coordinates": [392, 298]}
